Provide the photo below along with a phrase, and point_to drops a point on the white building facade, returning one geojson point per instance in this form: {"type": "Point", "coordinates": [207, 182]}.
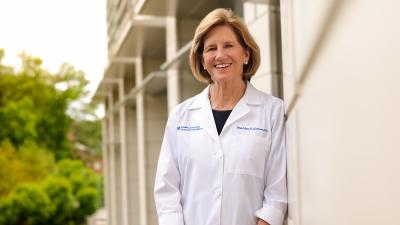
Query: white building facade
{"type": "Point", "coordinates": [335, 63]}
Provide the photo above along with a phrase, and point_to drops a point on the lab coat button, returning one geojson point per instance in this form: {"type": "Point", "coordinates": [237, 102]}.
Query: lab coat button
{"type": "Point", "coordinates": [217, 193]}
{"type": "Point", "coordinates": [218, 154]}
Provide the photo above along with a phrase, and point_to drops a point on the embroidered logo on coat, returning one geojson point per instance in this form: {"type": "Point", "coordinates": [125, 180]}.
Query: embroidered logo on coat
{"type": "Point", "coordinates": [188, 128]}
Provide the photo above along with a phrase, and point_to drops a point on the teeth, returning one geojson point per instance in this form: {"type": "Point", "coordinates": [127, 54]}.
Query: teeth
{"type": "Point", "coordinates": [222, 65]}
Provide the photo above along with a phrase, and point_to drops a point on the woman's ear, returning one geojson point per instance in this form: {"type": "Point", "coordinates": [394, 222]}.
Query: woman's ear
{"type": "Point", "coordinates": [246, 56]}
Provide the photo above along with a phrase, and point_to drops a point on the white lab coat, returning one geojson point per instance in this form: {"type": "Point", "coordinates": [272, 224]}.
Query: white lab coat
{"type": "Point", "coordinates": [231, 179]}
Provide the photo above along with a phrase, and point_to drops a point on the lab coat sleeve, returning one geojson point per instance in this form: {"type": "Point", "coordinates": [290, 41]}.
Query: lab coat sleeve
{"type": "Point", "coordinates": [166, 188]}
{"type": "Point", "coordinates": [275, 194]}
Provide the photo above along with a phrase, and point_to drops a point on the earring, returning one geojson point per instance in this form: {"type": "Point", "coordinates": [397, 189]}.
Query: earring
{"type": "Point", "coordinates": [245, 63]}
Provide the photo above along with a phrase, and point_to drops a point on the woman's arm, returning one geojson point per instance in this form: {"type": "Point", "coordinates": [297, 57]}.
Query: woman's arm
{"type": "Point", "coordinates": [275, 194]}
{"type": "Point", "coordinates": [166, 188]}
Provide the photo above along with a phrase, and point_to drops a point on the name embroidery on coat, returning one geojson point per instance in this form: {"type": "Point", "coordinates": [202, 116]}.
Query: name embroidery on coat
{"type": "Point", "coordinates": [251, 128]}
{"type": "Point", "coordinates": [188, 128]}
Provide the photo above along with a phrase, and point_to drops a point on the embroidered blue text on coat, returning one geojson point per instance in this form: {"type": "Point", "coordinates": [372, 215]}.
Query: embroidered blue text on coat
{"type": "Point", "coordinates": [188, 128]}
{"type": "Point", "coordinates": [251, 128]}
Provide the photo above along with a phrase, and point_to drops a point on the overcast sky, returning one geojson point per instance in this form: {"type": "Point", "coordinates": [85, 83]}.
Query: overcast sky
{"type": "Point", "coordinates": [57, 31]}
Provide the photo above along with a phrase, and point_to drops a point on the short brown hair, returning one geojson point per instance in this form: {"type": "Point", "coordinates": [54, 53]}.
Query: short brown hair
{"type": "Point", "coordinates": [223, 17]}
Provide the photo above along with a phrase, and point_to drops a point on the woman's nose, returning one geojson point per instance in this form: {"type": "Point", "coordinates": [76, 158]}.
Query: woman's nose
{"type": "Point", "coordinates": [220, 54]}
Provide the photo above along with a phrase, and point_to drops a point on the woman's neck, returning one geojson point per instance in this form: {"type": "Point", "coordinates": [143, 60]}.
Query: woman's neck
{"type": "Point", "coordinates": [224, 96]}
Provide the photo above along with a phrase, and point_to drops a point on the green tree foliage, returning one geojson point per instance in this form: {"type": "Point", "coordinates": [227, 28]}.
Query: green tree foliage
{"type": "Point", "coordinates": [38, 162]}
{"type": "Point", "coordinates": [29, 163]}
{"type": "Point", "coordinates": [32, 107]}
{"type": "Point", "coordinates": [4, 69]}
{"type": "Point", "coordinates": [34, 124]}
{"type": "Point", "coordinates": [10, 164]}
{"type": "Point", "coordinates": [88, 133]}
{"type": "Point", "coordinates": [17, 121]}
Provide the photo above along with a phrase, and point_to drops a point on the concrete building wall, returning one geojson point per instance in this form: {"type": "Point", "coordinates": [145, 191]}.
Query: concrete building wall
{"type": "Point", "coordinates": [341, 58]}
{"type": "Point", "coordinates": [185, 30]}
{"type": "Point", "coordinates": [118, 186]}
{"type": "Point", "coordinates": [256, 16]}
{"type": "Point", "coordinates": [156, 117]}
{"type": "Point", "coordinates": [132, 170]}
{"type": "Point", "coordinates": [118, 168]}
{"type": "Point", "coordinates": [189, 86]}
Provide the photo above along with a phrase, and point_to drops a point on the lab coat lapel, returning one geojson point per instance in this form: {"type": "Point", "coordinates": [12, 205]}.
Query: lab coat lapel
{"type": "Point", "coordinates": [239, 111]}
{"type": "Point", "coordinates": [242, 107]}
{"type": "Point", "coordinates": [206, 118]}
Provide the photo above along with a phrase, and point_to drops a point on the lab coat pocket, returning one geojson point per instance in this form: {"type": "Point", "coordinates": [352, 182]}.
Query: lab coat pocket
{"type": "Point", "coordinates": [247, 155]}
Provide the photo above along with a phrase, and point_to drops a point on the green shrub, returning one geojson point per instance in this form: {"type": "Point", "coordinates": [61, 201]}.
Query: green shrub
{"type": "Point", "coordinates": [27, 204]}
{"type": "Point", "coordinates": [64, 204]}
{"type": "Point", "coordinates": [87, 198]}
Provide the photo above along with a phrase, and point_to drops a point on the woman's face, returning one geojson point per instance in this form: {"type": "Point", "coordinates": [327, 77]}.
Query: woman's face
{"type": "Point", "coordinates": [223, 56]}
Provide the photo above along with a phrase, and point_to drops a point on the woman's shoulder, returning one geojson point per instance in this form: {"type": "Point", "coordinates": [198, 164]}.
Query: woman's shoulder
{"type": "Point", "coordinates": [272, 105]}
{"type": "Point", "coordinates": [187, 104]}
{"type": "Point", "coordinates": [266, 99]}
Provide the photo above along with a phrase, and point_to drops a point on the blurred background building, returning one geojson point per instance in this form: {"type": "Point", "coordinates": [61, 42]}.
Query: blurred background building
{"type": "Point", "coordinates": [334, 62]}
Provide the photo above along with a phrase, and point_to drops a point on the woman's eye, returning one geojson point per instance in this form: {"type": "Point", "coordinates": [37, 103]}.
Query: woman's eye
{"type": "Point", "coordinates": [210, 49]}
{"type": "Point", "coordinates": [228, 45]}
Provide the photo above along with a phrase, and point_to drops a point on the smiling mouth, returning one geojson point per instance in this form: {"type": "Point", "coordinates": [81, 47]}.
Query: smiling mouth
{"type": "Point", "coordinates": [222, 66]}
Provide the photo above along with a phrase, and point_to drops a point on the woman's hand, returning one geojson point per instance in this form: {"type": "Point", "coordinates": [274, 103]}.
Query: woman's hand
{"type": "Point", "coordinates": [262, 222]}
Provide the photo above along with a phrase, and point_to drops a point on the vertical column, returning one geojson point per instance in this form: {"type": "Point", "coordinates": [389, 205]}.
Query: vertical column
{"type": "Point", "coordinates": [124, 185]}
{"type": "Point", "coordinates": [267, 17]}
{"type": "Point", "coordinates": [275, 49]}
{"type": "Point", "coordinates": [131, 154]}
{"type": "Point", "coordinates": [156, 117]}
{"type": "Point", "coordinates": [173, 93]}
{"type": "Point", "coordinates": [113, 183]}
{"type": "Point", "coordinates": [141, 144]}
{"type": "Point", "coordinates": [256, 16]}
{"type": "Point", "coordinates": [106, 176]}
{"type": "Point", "coordinates": [292, 123]}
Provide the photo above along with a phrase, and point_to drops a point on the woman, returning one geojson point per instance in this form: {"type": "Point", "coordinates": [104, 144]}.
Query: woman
{"type": "Point", "coordinates": [223, 158]}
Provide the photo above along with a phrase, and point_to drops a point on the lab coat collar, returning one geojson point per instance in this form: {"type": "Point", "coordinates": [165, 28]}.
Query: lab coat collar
{"type": "Point", "coordinates": [251, 97]}
{"type": "Point", "coordinates": [201, 101]}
